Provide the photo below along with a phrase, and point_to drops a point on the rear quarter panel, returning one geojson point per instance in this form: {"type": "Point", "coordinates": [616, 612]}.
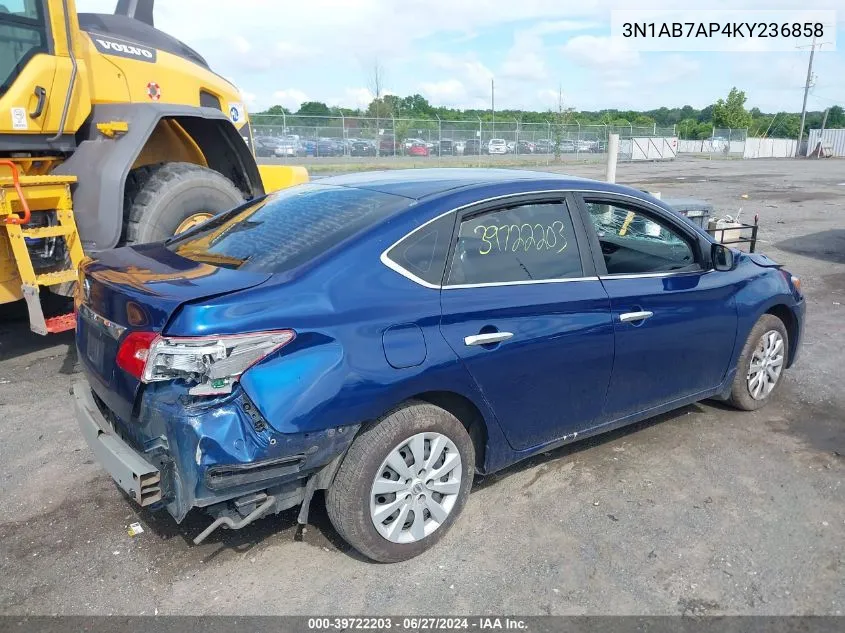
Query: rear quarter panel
{"type": "Point", "coordinates": [336, 372]}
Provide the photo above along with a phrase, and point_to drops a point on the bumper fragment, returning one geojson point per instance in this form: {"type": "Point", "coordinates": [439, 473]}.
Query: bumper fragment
{"type": "Point", "coordinates": [134, 474]}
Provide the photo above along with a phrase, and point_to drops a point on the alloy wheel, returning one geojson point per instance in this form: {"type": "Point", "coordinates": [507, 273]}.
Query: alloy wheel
{"type": "Point", "coordinates": [766, 365]}
{"type": "Point", "coordinates": [416, 487]}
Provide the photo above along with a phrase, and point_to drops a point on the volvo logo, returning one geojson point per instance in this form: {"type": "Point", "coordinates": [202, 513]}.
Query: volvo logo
{"type": "Point", "coordinates": [124, 49]}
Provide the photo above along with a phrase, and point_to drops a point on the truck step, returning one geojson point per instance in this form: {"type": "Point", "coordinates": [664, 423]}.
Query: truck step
{"type": "Point", "coordinates": [58, 277]}
{"type": "Point", "coordinates": [47, 231]}
{"type": "Point", "coordinates": [61, 323]}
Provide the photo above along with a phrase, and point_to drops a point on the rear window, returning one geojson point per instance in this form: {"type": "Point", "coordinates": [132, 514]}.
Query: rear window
{"type": "Point", "coordinates": [286, 229]}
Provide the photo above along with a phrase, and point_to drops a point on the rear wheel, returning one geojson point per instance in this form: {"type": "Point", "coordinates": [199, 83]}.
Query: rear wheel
{"type": "Point", "coordinates": [761, 364]}
{"type": "Point", "coordinates": [163, 200]}
{"type": "Point", "coordinates": [403, 483]}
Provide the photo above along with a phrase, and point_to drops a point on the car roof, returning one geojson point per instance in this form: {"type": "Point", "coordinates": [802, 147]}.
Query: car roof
{"type": "Point", "coordinates": [422, 183]}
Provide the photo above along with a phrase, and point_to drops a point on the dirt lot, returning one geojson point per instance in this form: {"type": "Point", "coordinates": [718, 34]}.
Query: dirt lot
{"type": "Point", "coordinates": [703, 511]}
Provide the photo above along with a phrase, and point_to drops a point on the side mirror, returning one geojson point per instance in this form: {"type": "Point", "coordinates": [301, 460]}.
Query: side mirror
{"type": "Point", "coordinates": [722, 257]}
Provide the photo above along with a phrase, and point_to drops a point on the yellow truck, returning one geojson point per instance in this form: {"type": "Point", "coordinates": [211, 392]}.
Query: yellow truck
{"type": "Point", "coordinates": [111, 132]}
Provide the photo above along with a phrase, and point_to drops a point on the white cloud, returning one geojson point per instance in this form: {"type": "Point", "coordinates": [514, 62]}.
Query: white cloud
{"type": "Point", "coordinates": [450, 91]}
{"type": "Point", "coordinates": [322, 47]}
{"type": "Point", "coordinates": [549, 98]}
{"type": "Point", "coordinates": [290, 99]}
{"type": "Point", "coordinates": [356, 98]}
{"type": "Point", "coordinates": [525, 66]}
{"type": "Point", "coordinates": [671, 69]}
{"type": "Point", "coordinates": [468, 85]}
{"type": "Point", "coordinates": [600, 52]}
{"type": "Point", "coordinates": [525, 61]}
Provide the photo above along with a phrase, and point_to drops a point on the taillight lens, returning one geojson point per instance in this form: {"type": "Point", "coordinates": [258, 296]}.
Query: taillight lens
{"type": "Point", "coordinates": [133, 352]}
{"type": "Point", "coordinates": [212, 363]}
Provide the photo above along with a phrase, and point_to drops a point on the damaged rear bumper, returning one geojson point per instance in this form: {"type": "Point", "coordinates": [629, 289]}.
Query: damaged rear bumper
{"type": "Point", "coordinates": [221, 455]}
{"type": "Point", "coordinates": [138, 477]}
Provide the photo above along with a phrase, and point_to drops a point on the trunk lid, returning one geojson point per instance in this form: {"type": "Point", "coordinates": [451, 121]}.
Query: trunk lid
{"type": "Point", "coordinates": [139, 288]}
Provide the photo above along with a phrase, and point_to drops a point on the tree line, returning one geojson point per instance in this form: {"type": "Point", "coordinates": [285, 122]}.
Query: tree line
{"type": "Point", "coordinates": [690, 122]}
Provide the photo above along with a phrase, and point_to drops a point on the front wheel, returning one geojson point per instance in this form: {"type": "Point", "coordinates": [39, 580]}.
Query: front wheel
{"type": "Point", "coordinates": [165, 199]}
{"type": "Point", "coordinates": [403, 483]}
{"type": "Point", "coordinates": [761, 364]}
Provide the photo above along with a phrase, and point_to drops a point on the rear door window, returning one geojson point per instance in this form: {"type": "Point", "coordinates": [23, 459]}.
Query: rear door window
{"type": "Point", "coordinates": [286, 229]}
{"type": "Point", "coordinates": [521, 243]}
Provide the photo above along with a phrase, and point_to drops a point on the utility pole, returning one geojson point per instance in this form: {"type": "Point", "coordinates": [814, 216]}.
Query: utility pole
{"type": "Point", "coordinates": [806, 90]}
{"type": "Point", "coordinates": [493, 107]}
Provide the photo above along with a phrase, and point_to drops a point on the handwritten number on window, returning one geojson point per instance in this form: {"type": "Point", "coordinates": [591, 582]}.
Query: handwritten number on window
{"type": "Point", "coordinates": [521, 237]}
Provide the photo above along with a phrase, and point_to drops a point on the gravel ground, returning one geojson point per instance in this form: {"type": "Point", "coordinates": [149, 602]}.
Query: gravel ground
{"type": "Point", "coordinates": [701, 511]}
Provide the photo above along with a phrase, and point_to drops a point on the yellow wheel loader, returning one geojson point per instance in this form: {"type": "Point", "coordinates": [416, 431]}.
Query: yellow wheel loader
{"type": "Point", "coordinates": [111, 132]}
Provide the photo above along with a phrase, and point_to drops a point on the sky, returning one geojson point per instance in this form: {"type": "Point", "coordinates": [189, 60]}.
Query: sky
{"type": "Point", "coordinates": [286, 52]}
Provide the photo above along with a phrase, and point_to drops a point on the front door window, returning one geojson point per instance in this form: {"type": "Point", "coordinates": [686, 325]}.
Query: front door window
{"type": "Point", "coordinates": [635, 243]}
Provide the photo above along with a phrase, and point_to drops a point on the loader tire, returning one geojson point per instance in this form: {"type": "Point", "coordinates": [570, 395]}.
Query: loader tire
{"type": "Point", "coordinates": [159, 199]}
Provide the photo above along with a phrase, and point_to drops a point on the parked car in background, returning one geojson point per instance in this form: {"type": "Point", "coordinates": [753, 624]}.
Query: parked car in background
{"type": "Point", "coordinates": [388, 146]}
{"type": "Point", "coordinates": [329, 147]}
{"type": "Point", "coordinates": [289, 149]}
{"type": "Point", "coordinates": [446, 147]}
{"type": "Point", "coordinates": [310, 147]}
{"type": "Point", "coordinates": [523, 147]}
{"type": "Point", "coordinates": [584, 146]}
{"type": "Point", "coordinates": [265, 146]}
{"type": "Point", "coordinates": [361, 147]}
{"type": "Point", "coordinates": [543, 146]}
{"type": "Point", "coordinates": [361, 334]}
{"type": "Point", "coordinates": [459, 147]}
{"type": "Point", "coordinates": [418, 148]}
{"type": "Point", "coordinates": [472, 146]}
{"type": "Point", "coordinates": [567, 145]}
{"type": "Point", "coordinates": [497, 146]}
{"type": "Point", "coordinates": [410, 141]}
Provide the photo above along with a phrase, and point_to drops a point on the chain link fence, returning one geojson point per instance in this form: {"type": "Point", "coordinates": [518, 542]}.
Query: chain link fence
{"type": "Point", "coordinates": [298, 136]}
{"type": "Point", "coordinates": [722, 143]}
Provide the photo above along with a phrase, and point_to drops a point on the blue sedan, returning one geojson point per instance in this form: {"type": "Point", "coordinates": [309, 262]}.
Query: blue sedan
{"type": "Point", "coordinates": [386, 336]}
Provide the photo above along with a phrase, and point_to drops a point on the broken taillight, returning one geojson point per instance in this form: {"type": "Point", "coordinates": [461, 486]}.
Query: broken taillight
{"type": "Point", "coordinates": [133, 352]}
{"type": "Point", "coordinates": [212, 363]}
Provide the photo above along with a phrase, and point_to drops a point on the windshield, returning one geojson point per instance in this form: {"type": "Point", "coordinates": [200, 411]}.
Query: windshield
{"type": "Point", "coordinates": [22, 35]}
{"type": "Point", "coordinates": [286, 229]}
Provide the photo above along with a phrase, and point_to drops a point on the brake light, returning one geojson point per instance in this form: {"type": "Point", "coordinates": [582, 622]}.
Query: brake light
{"type": "Point", "coordinates": [133, 352]}
{"type": "Point", "coordinates": [212, 363]}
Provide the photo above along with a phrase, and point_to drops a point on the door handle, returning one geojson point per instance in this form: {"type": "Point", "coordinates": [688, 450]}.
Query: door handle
{"type": "Point", "coordinates": [39, 106]}
{"type": "Point", "coordinates": [487, 339]}
{"type": "Point", "coordinates": [642, 315]}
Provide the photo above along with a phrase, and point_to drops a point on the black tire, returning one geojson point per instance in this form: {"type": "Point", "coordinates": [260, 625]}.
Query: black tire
{"type": "Point", "coordinates": [158, 198]}
{"type": "Point", "coordinates": [348, 497]}
{"type": "Point", "coordinates": [741, 397]}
